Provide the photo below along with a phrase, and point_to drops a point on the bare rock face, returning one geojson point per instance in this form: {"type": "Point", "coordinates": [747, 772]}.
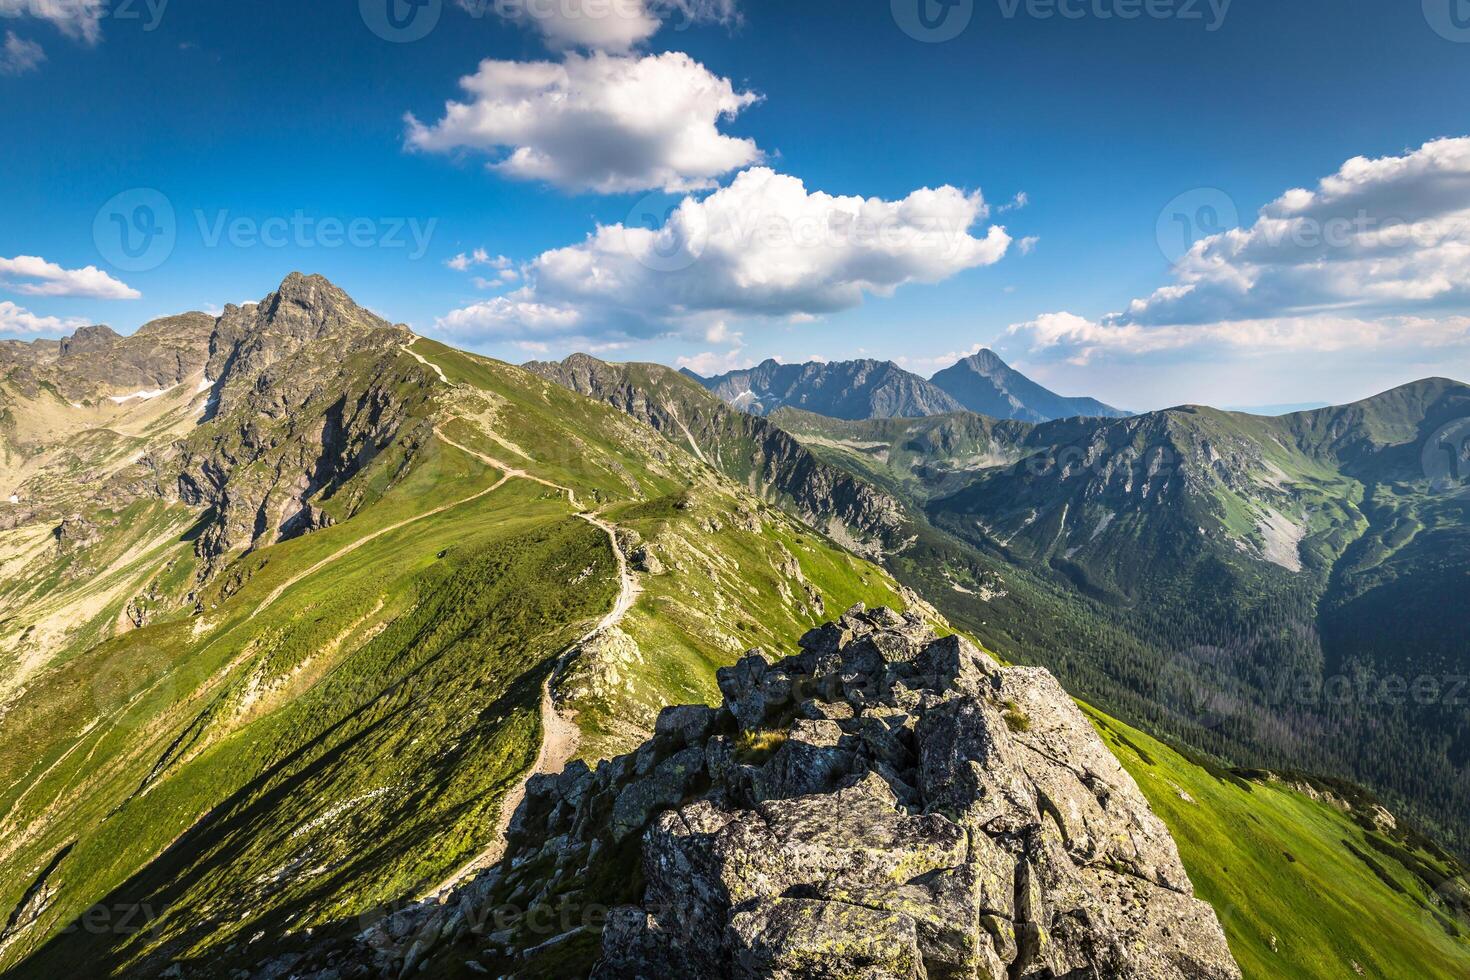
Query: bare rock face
{"type": "Point", "coordinates": [885, 805]}
{"type": "Point", "coordinates": [924, 814]}
{"type": "Point", "coordinates": [309, 388]}
{"type": "Point", "coordinates": [95, 361]}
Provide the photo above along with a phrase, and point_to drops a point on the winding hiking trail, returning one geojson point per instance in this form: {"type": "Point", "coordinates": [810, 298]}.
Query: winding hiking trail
{"type": "Point", "coordinates": [559, 734]}
{"type": "Point", "coordinates": [366, 539]}
{"type": "Point", "coordinates": [408, 349]}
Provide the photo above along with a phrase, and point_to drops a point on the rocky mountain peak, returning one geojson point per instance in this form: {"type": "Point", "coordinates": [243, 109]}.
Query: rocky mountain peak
{"type": "Point", "coordinates": [98, 337]}
{"type": "Point", "coordinates": [312, 295]}
{"type": "Point", "coordinates": [303, 309]}
{"type": "Point", "coordinates": [984, 383]}
{"type": "Point", "coordinates": [857, 389]}
{"type": "Point", "coordinates": [883, 804]}
{"type": "Point", "coordinates": [985, 361]}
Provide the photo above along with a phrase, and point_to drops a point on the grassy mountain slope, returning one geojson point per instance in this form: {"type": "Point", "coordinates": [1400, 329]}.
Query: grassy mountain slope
{"type": "Point", "coordinates": [915, 458]}
{"type": "Point", "coordinates": [1264, 588]}
{"type": "Point", "coordinates": [1295, 868]}
{"type": "Point", "coordinates": [343, 717]}
{"type": "Point", "coordinates": [341, 708]}
{"type": "Point", "coordinates": [1273, 859]}
{"type": "Point", "coordinates": [748, 449]}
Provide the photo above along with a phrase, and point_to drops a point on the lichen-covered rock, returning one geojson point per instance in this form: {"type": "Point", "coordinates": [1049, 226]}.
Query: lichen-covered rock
{"type": "Point", "coordinates": [883, 804]}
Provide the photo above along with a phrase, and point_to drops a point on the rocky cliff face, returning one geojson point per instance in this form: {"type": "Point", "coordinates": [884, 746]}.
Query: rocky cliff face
{"type": "Point", "coordinates": [883, 804]}
{"type": "Point", "coordinates": [308, 388]}
{"type": "Point", "coordinates": [96, 362]}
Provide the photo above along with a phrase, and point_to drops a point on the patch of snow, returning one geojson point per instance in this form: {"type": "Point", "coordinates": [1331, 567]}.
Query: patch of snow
{"type": "Point", "coordinates": [141, 395]}
{"type": "Point", "coordinates": [14, 499]}
{"type": "Point", "coordinates": [204, 385]}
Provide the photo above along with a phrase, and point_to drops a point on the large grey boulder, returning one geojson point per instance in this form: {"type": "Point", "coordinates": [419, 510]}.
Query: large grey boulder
{"type": "Point", "coordinates": [884, 805]}
{"type": "Point", "coordinates": [923, 814]}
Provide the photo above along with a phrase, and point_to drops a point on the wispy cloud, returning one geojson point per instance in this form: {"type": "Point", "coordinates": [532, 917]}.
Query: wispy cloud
{"type": "Point", "coordinates": [80, 20]}
{"type": "Point", "coordinates": [18, 320]}
{"type": "Point", "coordinates": [18, 56]}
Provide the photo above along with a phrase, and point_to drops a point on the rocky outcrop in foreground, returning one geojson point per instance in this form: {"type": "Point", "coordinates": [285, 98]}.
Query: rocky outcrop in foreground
{"type": "Point", "coordinates": [884, 804]}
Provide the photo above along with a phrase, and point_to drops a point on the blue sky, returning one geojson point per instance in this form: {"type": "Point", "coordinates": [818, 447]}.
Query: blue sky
{"type": "Point", "coordinates": [261, 121]}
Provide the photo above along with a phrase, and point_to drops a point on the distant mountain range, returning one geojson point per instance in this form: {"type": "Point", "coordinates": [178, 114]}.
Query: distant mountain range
{"type": "Point", "coordinates": [1214, 573]}
{"type": "Point", "coordinates": [869, 389]}
{"type": "Point", "coordinates": [1208, 572]}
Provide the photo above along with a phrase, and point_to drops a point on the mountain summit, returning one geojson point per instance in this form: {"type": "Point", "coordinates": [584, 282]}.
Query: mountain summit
{"type": "Point", "coordinates": [863, 389]}
{"type": "Point", "coordinates": [986, 384]}
{"type": "Point", "coordinates": [869, 389]}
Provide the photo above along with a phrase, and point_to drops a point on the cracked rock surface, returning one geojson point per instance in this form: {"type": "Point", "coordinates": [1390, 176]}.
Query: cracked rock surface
{"type": "Point", "coordinates": [884, 805]}
{"type": "Point", "coordinates": [923, 813]}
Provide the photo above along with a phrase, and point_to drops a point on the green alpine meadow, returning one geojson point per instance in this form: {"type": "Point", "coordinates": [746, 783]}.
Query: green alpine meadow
{"type": "Point", "coordinates": [734, 490]}
{"type": "Point", "coordinates": [298, 642]}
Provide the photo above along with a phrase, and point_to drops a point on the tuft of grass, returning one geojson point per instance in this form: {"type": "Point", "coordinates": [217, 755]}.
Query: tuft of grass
{"type": "Point", "coordinates": [753, 748]}
{"type": "Point", "coordinates": [1016, 719]}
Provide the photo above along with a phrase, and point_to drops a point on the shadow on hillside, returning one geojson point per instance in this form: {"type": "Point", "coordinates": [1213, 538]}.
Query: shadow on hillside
{"type": "Point", "coordinates": [108, 936]}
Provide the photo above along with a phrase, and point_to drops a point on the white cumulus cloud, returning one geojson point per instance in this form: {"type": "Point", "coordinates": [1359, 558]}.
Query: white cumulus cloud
{"type": "Point", "coordinates": [34, 276]}
{"type": "Point", "coordinates": [1375, 257]}
{"type": "Point", "coordinates": [511, 317]}
{"type": "Point", "coordinates": [18, 320]}
{"type": "Point", "coordinates": [764, 246]}
{"type": "Point", "coordinates": [1390, 235]}
{"type": "Point", "coordinates": [597, 123]}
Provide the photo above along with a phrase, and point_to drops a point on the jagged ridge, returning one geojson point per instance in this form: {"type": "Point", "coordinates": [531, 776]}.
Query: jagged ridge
{"type": "Point", "coordinates": [884, 804]}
